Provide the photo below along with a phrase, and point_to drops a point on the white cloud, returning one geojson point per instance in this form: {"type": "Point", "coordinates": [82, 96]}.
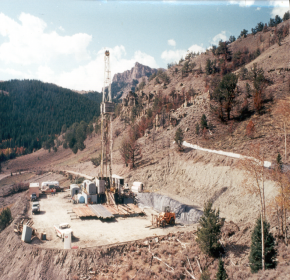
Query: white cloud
{"type": "Point", "coordinates": [61, 28]}
{"type": "Point", "coordinates": [91, 75]}
{"type": "Point", "coordinates": [15, 73]}
{"type": "Point", "coordinates": [176, 55]}
{"type": "Point", "coordinates": [221, 36]}
{"type": "Point", "coordinates": [258, 9]}
{"type": "Point", "coordinates": [280, 8]}
{"type": "Point", "coordinates": [196, 48]}
{"type": "Point", "coordinates": [28, 43]}
{"type": "Point", "coordinates": [171, 42]}
{"type": "Point", "coordinates": [243, 3]}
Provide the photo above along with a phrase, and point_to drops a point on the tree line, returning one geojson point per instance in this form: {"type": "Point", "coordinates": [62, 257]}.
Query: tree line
{"type": "Point", "coordinates": [33, 112]}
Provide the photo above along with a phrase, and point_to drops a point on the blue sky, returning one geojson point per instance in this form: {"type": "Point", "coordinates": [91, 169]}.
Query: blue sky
{"type": "Point", "coordinates": [63, 42]}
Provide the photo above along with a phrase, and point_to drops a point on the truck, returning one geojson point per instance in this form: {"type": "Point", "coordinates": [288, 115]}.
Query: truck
{"type": "Point", "coordinates": [35, 207]}
{"type": "Point", "coordinates": [61, 229]}
{"type": "Point", "coordinates": [33, 197]}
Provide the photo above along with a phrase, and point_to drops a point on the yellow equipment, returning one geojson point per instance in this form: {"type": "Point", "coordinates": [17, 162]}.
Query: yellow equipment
{"type": "Point", "coordinates": [164, 218]}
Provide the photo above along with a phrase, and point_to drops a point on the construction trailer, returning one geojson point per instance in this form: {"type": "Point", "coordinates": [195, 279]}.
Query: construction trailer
{"type": "Point", "coordinates": [74, 189]}
{"type": "Point", "coordinates": [89, 187]}
{"type": "Point", "coordinates": [49, 185]}
{"type": "Point", "coordinates": [137, 187]}
{"type": "Point", "coordinates": [34, 188]}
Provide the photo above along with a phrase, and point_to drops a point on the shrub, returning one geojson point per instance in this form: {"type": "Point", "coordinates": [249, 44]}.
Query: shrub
{"type": "Point", "coordinates": [117, 132]}
{"type": "Point", "coordinates": [250, 129]}
{"type": "Point", "coordinates": [96, 161]}
{"type": "Point", "coordinates": [197, 129]}
{"type": "Point", "coordinates": [255, 257]}
{"type": "Point", "coordinates": [205, 275]}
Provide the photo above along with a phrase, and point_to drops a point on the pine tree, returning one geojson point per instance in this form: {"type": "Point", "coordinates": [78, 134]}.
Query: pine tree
{"type": "Point", "coordinates": [179, 138]}
{"type": "Point", "coordinates": [203, 122]}
{"type": "Point", "coordinates": [209, 233]}
{"type": "Point", "coordinates": [221, 274]}
{"type": "Point", "coordinates": [279, 161]}
{"type": "Point", "coordinates": [255, 257]}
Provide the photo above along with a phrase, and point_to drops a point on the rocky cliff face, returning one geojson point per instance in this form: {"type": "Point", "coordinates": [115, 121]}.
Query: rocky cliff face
{"type": "Point", "coordinates": [124, 82]}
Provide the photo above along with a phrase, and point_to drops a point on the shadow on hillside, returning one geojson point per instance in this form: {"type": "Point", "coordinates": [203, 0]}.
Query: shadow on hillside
{"type": "Point", "coordinates": [237, 249]}
{"type": "Point", "coordinates": [187, 150]}
{"type": "Point", "coordinates": [218, 193]}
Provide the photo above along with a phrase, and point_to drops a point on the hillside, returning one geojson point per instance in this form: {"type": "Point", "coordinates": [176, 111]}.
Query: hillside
{"type": "Point", "coordinates": [32, 111]}
{"type": "Point", "coordinates": [177, 99]}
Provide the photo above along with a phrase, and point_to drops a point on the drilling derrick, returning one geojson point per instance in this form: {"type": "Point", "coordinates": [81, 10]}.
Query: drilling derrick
{"type": "Point", "coordinates": [107, 110]}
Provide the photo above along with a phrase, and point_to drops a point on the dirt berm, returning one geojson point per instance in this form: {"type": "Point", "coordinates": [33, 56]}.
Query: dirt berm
{"type": "Point", "coordinates": [184, 213]}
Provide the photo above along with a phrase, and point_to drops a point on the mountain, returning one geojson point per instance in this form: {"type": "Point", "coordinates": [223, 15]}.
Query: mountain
{"type": "Point", "coordinates": [32, 111]}
{"type": "Point", "coordinates": [124, 82]}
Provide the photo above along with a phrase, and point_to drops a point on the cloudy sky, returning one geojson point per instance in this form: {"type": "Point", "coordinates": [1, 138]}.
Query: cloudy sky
{"type": "Point", "coordinates": [63, 42]}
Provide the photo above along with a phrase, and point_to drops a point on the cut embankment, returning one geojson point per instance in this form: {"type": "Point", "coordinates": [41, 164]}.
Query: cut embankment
{"type": "Point", "coordinates": [184, 213]}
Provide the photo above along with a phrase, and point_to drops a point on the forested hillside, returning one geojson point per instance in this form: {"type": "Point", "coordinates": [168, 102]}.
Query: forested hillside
{"type": "Point", "coordinates": [32, 111]}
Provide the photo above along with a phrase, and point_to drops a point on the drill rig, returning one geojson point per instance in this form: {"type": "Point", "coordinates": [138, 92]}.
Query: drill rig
{"type": "Point", "coordinates": [107, 111]}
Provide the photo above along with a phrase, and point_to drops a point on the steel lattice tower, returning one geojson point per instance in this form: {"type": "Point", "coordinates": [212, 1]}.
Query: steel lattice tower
{"type": "Point", "coordinates": [107, 110]}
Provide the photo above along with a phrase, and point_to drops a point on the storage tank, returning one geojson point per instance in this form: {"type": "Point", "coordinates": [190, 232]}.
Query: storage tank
{"type": "Point", "coordinates": [137, 187]}
{"type": "Point", "coordinates": [67, 239]}
{"type": "Point", "coordinates": [26, 234]}
{"type": "Point", "coordinates": [100, 186]}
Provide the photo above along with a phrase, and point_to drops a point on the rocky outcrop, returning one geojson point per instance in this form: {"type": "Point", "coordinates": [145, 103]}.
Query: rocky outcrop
{"type": "Point", "coordinates": [124, 82]}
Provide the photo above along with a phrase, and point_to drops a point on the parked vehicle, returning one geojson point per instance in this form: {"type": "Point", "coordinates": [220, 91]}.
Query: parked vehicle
{"type": "Point", "coordinates": [61, 229]}
{"type": "Point", "coordinates": [33, 197]}
{"type": "Point", "coordinates": [35, 207]}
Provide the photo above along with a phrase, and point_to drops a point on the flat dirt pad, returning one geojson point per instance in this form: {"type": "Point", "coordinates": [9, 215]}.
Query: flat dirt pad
{"type": "Point", "coordinates": [92, 232]}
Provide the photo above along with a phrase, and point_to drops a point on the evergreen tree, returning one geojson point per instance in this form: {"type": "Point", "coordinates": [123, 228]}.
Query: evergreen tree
{"type": "Point", "coordinates": [255, 257]}
{"type": "Point", "coordinates": [221, 274]}
{"type": "Point", "coordinates": [232, 39]}
{"type": "Point", "coordinates": [179, 138]}
{"type": "Point", "coordinates": [279, 161]}
{"type": "Point", "coordinates": [286, 16]}
{"type": "Point", "coordinates": [209, 233]}
{"type": "Point", "coordinates": [5, 218]}
{"type": "Point", "coordinates": [203, 122]}
{"type": "Point", "coordinates": [244, 33]}
{"type": "Point", "coordinates": [208, 67]}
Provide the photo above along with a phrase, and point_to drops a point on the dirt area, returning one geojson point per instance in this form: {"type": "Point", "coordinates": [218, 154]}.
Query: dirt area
{"type": "Point", "coordinates": [92, 232]}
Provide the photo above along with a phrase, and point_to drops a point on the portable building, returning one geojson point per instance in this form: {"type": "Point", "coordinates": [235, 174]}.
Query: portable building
{"type": "Point", "coordinates": [49, 185]}
{"type": "Point", "coordinates": [137, 187]}
{"type": "Point", "coordinates": [100, 186]}
{"type": "Point", "coordinates": [74, 190]}
{"type": "Point", "coordinates": [73, 185]}
{"type": "Point", "coordinates": [34, 188]}
{"type": "Point", "coordinates": [90, 187]}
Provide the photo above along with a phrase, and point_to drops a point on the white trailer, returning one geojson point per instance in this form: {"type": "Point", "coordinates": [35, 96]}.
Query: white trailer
{"type": "Point", "coordinates": [137, 187]}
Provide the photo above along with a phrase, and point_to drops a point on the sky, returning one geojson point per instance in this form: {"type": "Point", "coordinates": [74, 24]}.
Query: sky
{"type": "Point", "coordinates": [63, 42]}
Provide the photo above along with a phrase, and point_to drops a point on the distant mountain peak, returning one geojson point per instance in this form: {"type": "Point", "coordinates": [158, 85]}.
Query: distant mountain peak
{"type": "Point", "coordinates": [124, 82]}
